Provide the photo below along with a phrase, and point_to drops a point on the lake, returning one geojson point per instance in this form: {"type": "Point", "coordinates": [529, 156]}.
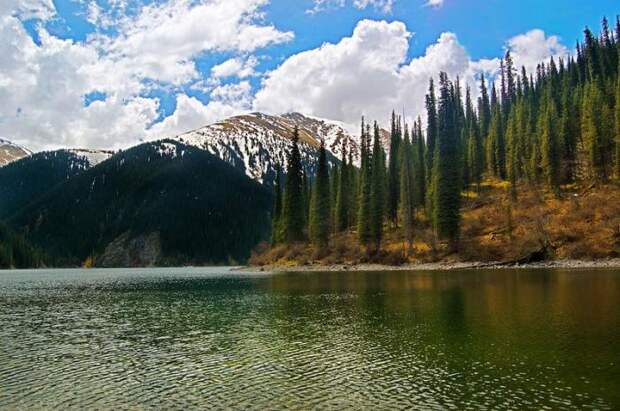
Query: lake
{"type": "Point", "coordinates": [211, 338]}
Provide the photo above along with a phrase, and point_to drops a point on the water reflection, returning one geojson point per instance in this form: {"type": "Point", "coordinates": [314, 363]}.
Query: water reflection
{"type": "Point", "coordinates": [196, 338]}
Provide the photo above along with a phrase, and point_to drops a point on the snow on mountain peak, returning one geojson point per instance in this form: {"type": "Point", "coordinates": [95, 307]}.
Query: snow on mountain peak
{"type": "Point", "coordinates": [258, 143]}
{"type": "Point", "coordinates": [10, 152]}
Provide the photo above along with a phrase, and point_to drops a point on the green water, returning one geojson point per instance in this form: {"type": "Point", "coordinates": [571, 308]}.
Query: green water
{"type": "Point", "coordinates": [209, 338]}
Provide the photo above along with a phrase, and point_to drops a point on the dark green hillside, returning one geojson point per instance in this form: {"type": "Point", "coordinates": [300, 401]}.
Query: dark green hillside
{"type": "Point", "coordinates": [15, 252]}
{"type": "Point", "coordinates": [176, 203]}
{"type": "Point", "coordinates": [27, 179]}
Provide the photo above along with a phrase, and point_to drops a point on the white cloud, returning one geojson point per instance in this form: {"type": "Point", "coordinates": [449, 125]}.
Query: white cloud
{"type": "Point", "coordinates": [368, 73]}
{"type": "Point", "coordinates": [235, 67]}
{"type": "Point", "coordinates": [434, 3]}
{"type": "Point", "coordinates": [192, 113]}
{"type": "Point", "coordinates": [534, 47]}
{"type": "Point", "coordinates": [42, 86]}
{"type": "Point", "coordinates": [343, 81]}
{"type": "Point", "coordinates": [322, 5]}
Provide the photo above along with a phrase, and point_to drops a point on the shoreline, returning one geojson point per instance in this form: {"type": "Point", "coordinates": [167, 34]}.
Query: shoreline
{"type": "Point", "coordinates": [439, 266]}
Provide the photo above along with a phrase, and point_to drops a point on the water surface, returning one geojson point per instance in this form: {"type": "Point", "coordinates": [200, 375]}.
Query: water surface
{"type": "Point", "coordinates": [209, 338]}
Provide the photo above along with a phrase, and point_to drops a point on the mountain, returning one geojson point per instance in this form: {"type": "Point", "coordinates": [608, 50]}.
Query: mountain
{"type": "Point", "coordinates": [10, 152]}
{"type": "Point", "coordinates": [257, 143]}
{"type": "Point", "coordinates": [27, 179]}
{"type": "Point", "coordinates": [158, 203]}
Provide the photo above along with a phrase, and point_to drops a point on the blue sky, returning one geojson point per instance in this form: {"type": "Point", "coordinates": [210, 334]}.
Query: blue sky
{"type": "Point", "coordinates": [109, 73]}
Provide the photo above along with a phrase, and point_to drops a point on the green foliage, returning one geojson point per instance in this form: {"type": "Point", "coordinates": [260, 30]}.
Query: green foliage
{"type": "Point", "coordinates": [446, 176]}
{"type": "Point", "coordinates": [295, 195]}
{"type": "Point", "coordinates": [277, 229]}
{"type": "Point", "coordinates": [16, 252]}
{"type": "Point", "coordinates": [377, 191]}
{"type": "Point", "coordinates": [204, 210]}
{"type": "Point", "coordinates": [406, 189]}
{"type": "Point", "coordinates": [393, 173]}
{"type": "Point", "coordinates": [32, 176]}
{"type": "Point", "coordinates": [365, 206]}
{"type": "Point", "coordinates": [343, 201]}
{"type": "Point", "coordinates": [320, 210]}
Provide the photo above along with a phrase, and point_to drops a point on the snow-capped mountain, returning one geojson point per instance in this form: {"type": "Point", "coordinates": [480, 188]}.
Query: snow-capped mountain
{"type": "Point", "coordinates": [10, 152]}
{"type": "Point", "coordinates": [93, 157]}
{"type": "Point", "coordinates": [258, 143]}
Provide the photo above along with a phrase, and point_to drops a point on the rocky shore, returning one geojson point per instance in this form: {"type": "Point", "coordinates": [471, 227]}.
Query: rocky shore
{"type": "Point", "coordinates": [439, 266]}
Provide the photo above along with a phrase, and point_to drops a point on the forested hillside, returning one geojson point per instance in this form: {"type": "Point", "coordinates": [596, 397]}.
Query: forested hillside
{"type": "Point", "coordinates": [155, 204]}
{"type": "Point", "coordinates": [531, 141]}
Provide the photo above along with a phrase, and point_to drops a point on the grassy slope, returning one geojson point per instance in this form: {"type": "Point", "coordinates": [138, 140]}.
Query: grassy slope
{"type": "Point", "coordinates": [584, 223]}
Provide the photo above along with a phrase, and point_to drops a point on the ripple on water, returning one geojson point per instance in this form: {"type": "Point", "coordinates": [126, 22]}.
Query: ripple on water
{"type": "Point", "coordinates": [281, 342]}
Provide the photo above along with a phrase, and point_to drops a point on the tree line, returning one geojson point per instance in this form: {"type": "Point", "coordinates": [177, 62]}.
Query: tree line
{"type": "Point", "coordinates": [543, 130]}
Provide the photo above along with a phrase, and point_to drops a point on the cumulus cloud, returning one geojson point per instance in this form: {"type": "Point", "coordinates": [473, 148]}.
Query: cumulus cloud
{"type": "Point", "coordinates": [237, 67]}
{"type": "Point", "coordinates": [434, 3]}
{"type": "Point", "coordinates": [43, 86]}
{"type": "Point", "coordinates": [368, 73]}
{"type": "Point", "coordinates": [322, 5]}
{"type": "Point", "coordinates": [534, 47]}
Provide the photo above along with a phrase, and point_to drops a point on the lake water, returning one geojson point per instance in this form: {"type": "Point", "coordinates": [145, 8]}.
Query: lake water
{"type": "Point", "coordinates": [209, 338]}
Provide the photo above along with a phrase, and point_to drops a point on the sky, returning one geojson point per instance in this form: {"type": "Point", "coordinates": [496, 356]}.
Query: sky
{"type": "Point", "coordinates": [110, 73]}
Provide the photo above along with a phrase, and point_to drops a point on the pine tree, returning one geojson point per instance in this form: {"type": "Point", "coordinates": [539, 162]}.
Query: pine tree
{"type": "Point", "coordinates": [377, 193]}
{"type": "Point", "coordinates": [431, 125]}
{"type": "Point", "coordinates": [592, 133]}
{"type": "Point", "coordinates": [406, 190]}
{"type": "Point", "coordinates": [294, 208]}
{"type": "Point", "coordinates": [419, 166]}
{"type": "Point", "coordinates": [512, 152]}
{"type": "Point", "coordinates": [495, 150]}
{"type": "Point", "coordinates": [364, 206]}
{"type": "Point", "coordinates": [320, 210]}
{"type": "Point", "coordinates": [393, 172]}
{"type": "Point", "coordinates": [276, 225]}
{"type": "Point", "coordinates": [484, 109]}
{"type": "Point", "coordinates": [446, 175]}
{"type": "Point", "coordinates": [342, 198]}
{"type": "Point", "coordinates": [550, 151]}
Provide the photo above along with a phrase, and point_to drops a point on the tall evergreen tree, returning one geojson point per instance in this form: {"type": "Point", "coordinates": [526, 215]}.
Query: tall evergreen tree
{"type": "Point", "coordinates": [431, 125]}
{"type": "Point", "coordinates": [484, 109]}
{"type": "Point", "coordinates": [276, 225]}
{"type": "Point", "coordinates": [446, 175]}
{"type": "Point", "coordinates": [377, 193]}
{"type": "Point", "coordinates": [342, 198]}
{"type": "Point", "coordinates": [550, 150]}
{"type": "Point", "coordinates": [294, 208]}
{"type": "Point", "coordinates": [406, 190]}
{"type": "Point", "coordinates": [512, 151]}
{"type": "Point", "coordinates": [364, 203]}
{"type": "Point", "coordinates": [419, 166]}
{"type": "Point", "coordinates": [393, 172]}
{"type": "Point", "coordinates": [320, 210]}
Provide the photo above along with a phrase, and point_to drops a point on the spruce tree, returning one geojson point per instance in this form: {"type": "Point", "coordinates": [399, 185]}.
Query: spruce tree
{"type": "Point", "coordinates": [364, 203]}
{"type": "Point", "coordinates": [431, 125]}
{"type": "Point", "coordinates": [550, 151]}
{"type": "Point", "coordinates": [342, 198]}
{"type": "Point", "coordinates": [276, 224]}
{"type": "Point", "coordinates": [592, 134]}
{"type": "Point", "coordinates": [419, 166]}
{"type": "Point", "coordinates": [406, 190]}
{"type": "Point", "coordinates": [377, 193]}
{"type": "Point", "coordinates": [320, 210]}
{"type": "Point", "coordinates": [446, 175]}
{"type": "Point", "coordinates": [512, 152]}
{"type": "Point", "coordinates": [393, 172]}
{"type": "Point", "coordinates": [484, 109]}
{"type": "Point", "coordinates": [294, 208]}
